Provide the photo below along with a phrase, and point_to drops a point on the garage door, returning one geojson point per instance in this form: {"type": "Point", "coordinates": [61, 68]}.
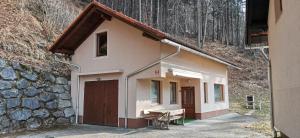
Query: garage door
{"type": "Point", "coordinates": [101, 103]}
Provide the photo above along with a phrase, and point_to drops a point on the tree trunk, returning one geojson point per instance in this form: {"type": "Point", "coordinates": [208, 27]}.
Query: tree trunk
{"type": "Point", "coordinates": [199, 22]}
{"type": "Point", "coordinates": [205, 22]}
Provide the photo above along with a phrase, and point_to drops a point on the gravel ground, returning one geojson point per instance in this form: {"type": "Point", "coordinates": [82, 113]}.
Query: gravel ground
{"type": "Point", "coordinates": [227, 126]}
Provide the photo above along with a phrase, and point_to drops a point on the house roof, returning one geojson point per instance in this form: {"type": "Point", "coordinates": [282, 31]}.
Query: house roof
{"type": "Point", "coordinates": [95, 14]}
{"type": "Point", "coordinates": [257, 21]}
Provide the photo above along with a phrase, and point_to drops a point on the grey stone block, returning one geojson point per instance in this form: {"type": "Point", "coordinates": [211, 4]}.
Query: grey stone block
{"type": "Point", "coordinates": [2, 109]}
{"type": "Point", "coordinates": [62, 121]}
{"type": "Point", "coordinates": [5, 85]}
{"type": "Point", "coordinates": [22, 84]}
{"type": "Point", "coordinates": [65, 96]}
{"type": "Point", "coordinates": [64, 103]}
{"type": "Point", "coordinates": [8, 73]}
{"type": "Point", "coordinates": [58, 89]}
{"type": "Point", "coordinates": [29, 75]}
{"type": "Point", "coordinates": [46, 97]}
{"type": "Point", "coordinates": [4, 122]}
{"type": "Point", "coordinates": [31, 91]}
{"type": "Point", "coordinates": [49, 77]}
{"type": "Point", "coordinates": [31, 103]}
{"type": "Point", "coordinates": [58, 114]}
{"type": "Point", "coordinates": [41, 113]}
{"type": "Point", "coordinates": [17, 66]}
{"type": "Point", "coordinates": [61, 80]}
{"type": "Point", "coordinates": [12, 93]}
{"type": "Point", "coordinates": [20, 114]}
{"type": "Point", "coordinates": [69, 112]}
{"type": "Point", "coordinates": [12, 103]}
{"type": "Point", "coordinates": [2, 63]}
{"type": "Point", "coordinates": [33, 123]}
{"type": "Point", "coordinates": [51, 105]}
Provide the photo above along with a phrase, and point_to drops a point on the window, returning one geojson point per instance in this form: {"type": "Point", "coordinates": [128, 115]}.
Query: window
{"type": "Point", "coordinates": [278, 9]}
{"type": "Point", "coordinates": [219, 92]}
{"type": "Point", "coordinates": [155, 91]}
{"type": "Point", "coordinates": [173, 93]}
{"type": "Point", "coordinates": [205, 92]}
{"type": "Point", "coordinates": [101, 44]}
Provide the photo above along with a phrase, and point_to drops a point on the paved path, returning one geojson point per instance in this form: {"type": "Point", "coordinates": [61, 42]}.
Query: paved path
{"type": "Point", "coordinates": [227, 126]}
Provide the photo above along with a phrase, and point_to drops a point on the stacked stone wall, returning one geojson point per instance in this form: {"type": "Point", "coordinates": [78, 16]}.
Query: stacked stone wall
{"type": "Point", "coordinates": [31, 98]}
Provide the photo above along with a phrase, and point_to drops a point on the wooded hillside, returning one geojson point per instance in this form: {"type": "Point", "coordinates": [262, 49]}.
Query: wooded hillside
{"type": "Point", "coordinates": [216, 20]}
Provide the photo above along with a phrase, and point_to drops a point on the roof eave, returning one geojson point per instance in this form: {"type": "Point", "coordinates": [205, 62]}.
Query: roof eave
{"type": "Point", "coordinates": [200, 53]}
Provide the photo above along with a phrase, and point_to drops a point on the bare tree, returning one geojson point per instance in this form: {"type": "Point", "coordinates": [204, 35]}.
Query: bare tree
{"type": "Point", "coordinates": [201, 20]}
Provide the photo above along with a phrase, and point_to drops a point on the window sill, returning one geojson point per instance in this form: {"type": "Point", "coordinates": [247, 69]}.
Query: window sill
{"type": "Point", "coordinates": [155, 104]}
{"type": "Point", "coordinates": [100, 57]}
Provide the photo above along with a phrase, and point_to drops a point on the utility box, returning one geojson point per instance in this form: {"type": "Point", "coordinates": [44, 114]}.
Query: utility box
{"type": "Point", "coordinates": [250, 103]}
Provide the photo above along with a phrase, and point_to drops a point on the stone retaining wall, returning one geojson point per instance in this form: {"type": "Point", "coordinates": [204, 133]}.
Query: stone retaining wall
{"type": "Point", "coordinates": [31, 98]}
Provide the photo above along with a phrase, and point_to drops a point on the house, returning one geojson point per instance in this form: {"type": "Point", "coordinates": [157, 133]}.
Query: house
{"type": "Point", "coordinates": [127, 67]}
{"type": "Point", "coordinates": [279, 22]}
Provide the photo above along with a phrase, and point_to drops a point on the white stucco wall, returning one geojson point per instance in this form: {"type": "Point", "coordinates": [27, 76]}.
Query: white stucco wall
{"type": "Point", "coordinates": [128, 50]}
{"type": "Point", "coordinates": [209, 71]}
{"type": "Point", "coordinates": [284, 53]}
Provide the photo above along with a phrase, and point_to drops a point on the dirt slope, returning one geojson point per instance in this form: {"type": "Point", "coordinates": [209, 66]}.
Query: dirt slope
{"type": "Point", "coordinates": [24, 37]}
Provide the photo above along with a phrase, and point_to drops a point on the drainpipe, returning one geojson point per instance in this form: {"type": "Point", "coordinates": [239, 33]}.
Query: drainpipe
{"type": "Point", "coordinates": [165, 41]}
{"type": "Point", "coordinates": [78, 68]}
{"type": "Point", "coordinates": [78, 96]}
{"type": "Point", "coordinates": [272, 101]}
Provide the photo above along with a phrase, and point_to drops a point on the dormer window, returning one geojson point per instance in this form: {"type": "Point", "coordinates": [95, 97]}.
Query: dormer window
{"type": "Point", "coordinates": [101, 49]}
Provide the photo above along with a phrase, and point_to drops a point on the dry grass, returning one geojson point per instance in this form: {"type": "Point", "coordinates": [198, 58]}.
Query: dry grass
{"type": "Point", "coordinates": [27, 27]}
{"type": "Point", "coordinates": [251, 80]}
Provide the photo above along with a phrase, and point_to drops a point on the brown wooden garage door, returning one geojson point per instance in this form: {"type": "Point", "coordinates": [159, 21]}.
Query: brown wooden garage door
{"type": "Point", "coordinates": [101, 103]}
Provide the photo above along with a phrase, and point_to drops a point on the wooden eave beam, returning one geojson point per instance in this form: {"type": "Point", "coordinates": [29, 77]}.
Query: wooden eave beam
{"type": "Point", "coordinates": [104, 15]}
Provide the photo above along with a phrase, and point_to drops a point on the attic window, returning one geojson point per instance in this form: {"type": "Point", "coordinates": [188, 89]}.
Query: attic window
{"type": "Point", "coordinates": [101, 49]}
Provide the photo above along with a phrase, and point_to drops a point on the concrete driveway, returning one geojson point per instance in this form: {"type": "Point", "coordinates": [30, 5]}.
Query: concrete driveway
{"type": "Point", "coordinates": [227, 126]}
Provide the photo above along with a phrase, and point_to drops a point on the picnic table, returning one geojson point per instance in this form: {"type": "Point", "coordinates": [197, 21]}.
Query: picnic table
{"type": "Point", "coordinates": [162, 117]}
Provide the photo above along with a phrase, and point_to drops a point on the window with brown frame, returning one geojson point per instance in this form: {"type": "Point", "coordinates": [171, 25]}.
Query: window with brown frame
{"type": "Point", "coordinates": [173, 93]}
{"type": "Point", "coordinates": [219, 92]}
{"type": "Point", "coordinates": [101, 49]}
{"type": "Point", "coordinates": [155, 91]}
{"type": "Point", "coordinates": [205, 92]}
{"type": "Point", "coordinates": [278, 9]}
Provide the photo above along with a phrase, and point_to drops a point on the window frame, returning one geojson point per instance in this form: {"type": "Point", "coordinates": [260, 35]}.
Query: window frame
{"type": "Point", "coordinates": [222, 93]}
{"type": "Point", "coordinates": [159, 91]}
{"type": "Point", "coordinates": [173, 93]}
{"type": "Point", "coordinates": [205, 92]}
{"type": "Point", "coordinates": [97, 54]}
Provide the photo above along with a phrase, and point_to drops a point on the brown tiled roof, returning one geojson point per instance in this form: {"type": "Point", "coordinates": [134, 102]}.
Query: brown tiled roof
{"type": "Point", "coordinates": [93, 16]}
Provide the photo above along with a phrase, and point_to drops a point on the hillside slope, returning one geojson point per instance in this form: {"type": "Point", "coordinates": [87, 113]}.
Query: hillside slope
{"type": "Point", "coordinates": [27, 27]}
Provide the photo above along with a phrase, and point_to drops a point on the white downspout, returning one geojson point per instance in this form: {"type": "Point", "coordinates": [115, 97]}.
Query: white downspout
{"type": "Point", "coordinates": [78, 96]}
{"type": "Point", "coordinates": [165, 41]}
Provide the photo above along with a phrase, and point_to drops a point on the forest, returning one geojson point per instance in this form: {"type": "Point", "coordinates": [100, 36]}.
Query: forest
{"type": "Point", "coordinates": [200, 20]}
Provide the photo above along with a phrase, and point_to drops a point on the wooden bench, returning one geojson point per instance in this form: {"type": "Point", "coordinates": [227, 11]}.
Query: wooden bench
{"type": "Point", "coordinates": [149, 117]}
{"type": "Point", "coordinates": [175, 115]}
{"type": "Point", "coordinates": [162, 118]}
